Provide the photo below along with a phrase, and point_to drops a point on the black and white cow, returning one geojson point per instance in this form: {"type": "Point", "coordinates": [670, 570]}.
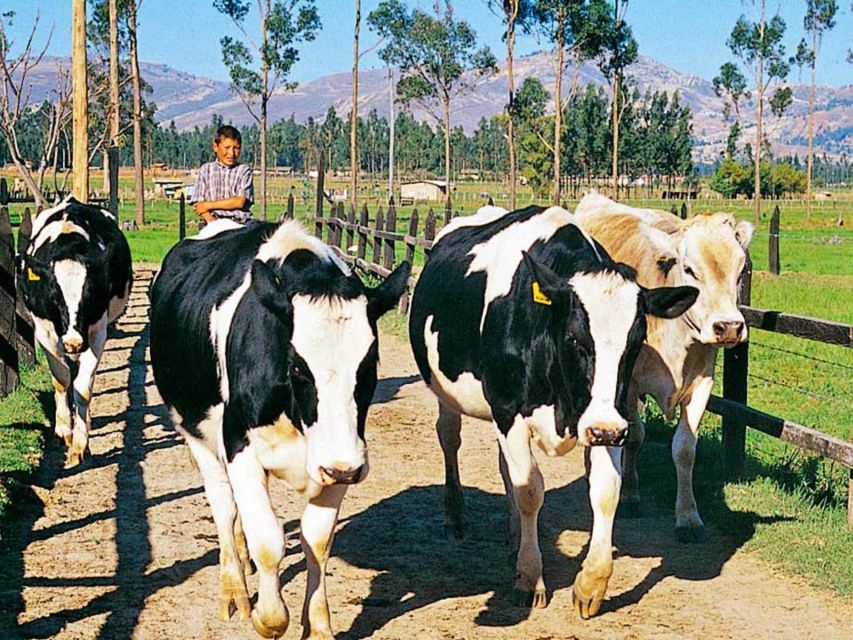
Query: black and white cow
{"type": "Point", "coordinates": [75, 276]}
{"type": "Point", "coordinates": [543, 351]}
{"type": "Point", "coordinates": [264, 346]}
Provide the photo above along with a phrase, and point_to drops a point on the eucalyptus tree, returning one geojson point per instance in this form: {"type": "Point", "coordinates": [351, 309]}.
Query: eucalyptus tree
{"type": "Point", "coordinates": [820, 17]}
{"type": "Point", "coordinates": [432, 52]}
{"type": "Point", "coordinates": [759, 48]}
{"type": "Point", "coordinates": [578, 29]}
{"type": "Point", "coordinates": [730, 85]}
{"type": "Point", "coordinates": [283, 25]}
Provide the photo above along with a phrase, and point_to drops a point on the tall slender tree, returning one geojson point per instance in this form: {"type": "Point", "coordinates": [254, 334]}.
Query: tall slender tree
{"type": "Point", "coordinates": [731, 85]}
{"type": "Point", "coordinates": [758, 46]}
{"type": "Point", "coordinates": [515, 13]}
{"type": "Point", "coordinates": [80, 102]}
{"type": "Point", "coordinates": [353, 122]}
{"type": "Point", "coordinates": [432, 53]}
{"type": "Point", "coordinates": [283, 24]}
{"type": "Point", "coordinates": [618, 52]}
{"type": "Point", "coordinates": [578, 29]}
{"type": "Point", "coordinates": [136, 82]}
{"type": "Point", "coordinates": [820, 17]}
{"type": "Point", "coordinates": [115, 115]}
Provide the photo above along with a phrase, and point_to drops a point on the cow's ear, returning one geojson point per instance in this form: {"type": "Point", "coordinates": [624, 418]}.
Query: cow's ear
{"type": "Point", "coordinates": [267, 287]}
{"type": "Point", "coordinates": [547, 285]}
{"type": "Point", "coordinates": [383, 298]}
{"type": "Point", "coordinates": [668, 302]}
{"type": "Point", "coordinates": [743, 233]}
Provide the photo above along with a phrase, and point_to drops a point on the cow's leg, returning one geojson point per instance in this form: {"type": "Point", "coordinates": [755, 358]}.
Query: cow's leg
{"type": "Point", "coordinates": [318, 531]}
{"type": "Point", "coordinates": [84, 382]}
{"type": "Point", "coordinates": [61, 375]}
{"type": "Point", "coordinates": [528, 491]}
{"type": "Point", "coordinates": [265, 539]}
{"type": "Point", "coordinates": [514, 521]}
{"type": "Point", "coordinates": [688, 525]}
{"type": "Point", "coordinates": [242, 546]}
{"type": "Point", "coordinates": [232, 582]}
{"type": "Point", "coordinates": [449, 429]}
{"type": "Point", "coordinates": [629, 502]}
{"type": "Point", "coordinates": [605, 478]}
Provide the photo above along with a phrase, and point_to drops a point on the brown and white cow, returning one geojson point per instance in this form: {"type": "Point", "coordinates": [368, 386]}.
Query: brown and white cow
{"type": "Point", "coordinates": [676, 363]}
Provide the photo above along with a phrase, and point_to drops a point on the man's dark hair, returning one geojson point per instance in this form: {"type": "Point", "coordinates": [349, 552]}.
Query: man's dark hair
{"type": "Point", "coordinates": [227, 131]}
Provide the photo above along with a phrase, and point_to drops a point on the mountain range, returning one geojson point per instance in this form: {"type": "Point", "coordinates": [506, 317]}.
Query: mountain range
{"type": "Point", "coordinates": [191, 101]}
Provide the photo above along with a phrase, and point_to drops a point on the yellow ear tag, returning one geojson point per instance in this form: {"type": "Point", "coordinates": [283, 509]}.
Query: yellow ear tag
{"type": "Point", "coordinates": [68, 227]}
{"type": "Point", "coordinates": [538, 296]}
{"type": "Point", "coordinates": [32, 276]}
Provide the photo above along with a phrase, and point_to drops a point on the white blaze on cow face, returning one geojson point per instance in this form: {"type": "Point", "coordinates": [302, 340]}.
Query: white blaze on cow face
{"type": "Point", "coordinates": [71, 276]}
{"type": "Point", "coordinates": [610, 302]}
{"type": "Point", "coordinates": [711, 257]}
{"type": "Point", "coordinates": [333, 336]}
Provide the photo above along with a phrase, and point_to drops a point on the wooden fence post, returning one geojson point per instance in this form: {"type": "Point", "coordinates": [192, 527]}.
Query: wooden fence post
{"type": "Point", "coordinates": [390, 227]}
{"type": "Point", "coordinates": [429, 233]}
{"type": "Point", "coordinates": [288, 214]}
{"type": "Point", "coordinates": [684, 211]}
{"type": "Point", "coordinates": [318, 211]}
{"type": "Point", "coordinates": [350, 228]}
{"type": "Point", "coordinates": [4, 192]}
{"type": "Point", "coordinates": [448, 212]}
{"type": "Point", "coordinates": [673, 210]}
{"type": "Point", "coordinates": [735, 385]}
{"type": "Point", "coordinates": [363, 221]}
{"type": "Point", "coordinates": [773, 258]}
{"type": "Point", "coordinates": [182, 217]}
{"type": "Point", "coordinates": [411, 244]}
{"type": "Point", "coordinates": [8, 334]}
{"type": "Point", "coordinates": [377, 241]}
{"type": "Point", "coordinates": [23, 320]}
{"type": "Point", "coordinates": [112, 168]}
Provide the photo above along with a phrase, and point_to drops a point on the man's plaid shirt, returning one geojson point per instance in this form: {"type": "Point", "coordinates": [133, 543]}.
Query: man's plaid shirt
{"type": "Point", "coordinates": [217, 182]}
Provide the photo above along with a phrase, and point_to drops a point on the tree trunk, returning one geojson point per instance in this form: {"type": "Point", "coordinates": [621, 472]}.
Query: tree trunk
{"type": "Point", "coordinates": [510, 45]}
{"type": "Point", "coordinates": [558, 113]}
{"type": "Point", "coordinates": [139, 173]}
{"type": "Point", "coordinates": [616, 82]}
{"type": "Point", "coordinates": [114, 92]}
{"type": "Point", "coordinates": [759, 94]}
{"type": "Point", "coordinates": [810, 168]}
{"type": "Point", "coordinates": [447, 151]}
{"type": "Point", "coordinates": [353, 133]}
{"type": "Point", "coordinates": [390, 132]}
{"type": "Point", "coordinates": [80, 158]}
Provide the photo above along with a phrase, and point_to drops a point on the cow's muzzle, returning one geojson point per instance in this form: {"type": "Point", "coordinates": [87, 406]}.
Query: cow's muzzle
{"type": "Point", "coordinates": [72, 343]}
{"type": "Point", "coordinates": [607, 435]}
{"type": "Point", "coordinates": [340, 475]}
{"type": "Point", "coordinates": [729, 333]}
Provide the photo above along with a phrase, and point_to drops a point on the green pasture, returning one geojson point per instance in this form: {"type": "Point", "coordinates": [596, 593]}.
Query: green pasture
{"type": "Point", "coordinates": [791, 507]}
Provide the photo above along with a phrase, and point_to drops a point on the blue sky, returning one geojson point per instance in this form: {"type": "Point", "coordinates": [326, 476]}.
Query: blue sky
{"type": "Point", "coordinates": [687, 35]}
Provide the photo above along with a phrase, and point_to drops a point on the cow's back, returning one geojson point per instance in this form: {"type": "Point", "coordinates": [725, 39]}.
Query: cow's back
{"type": "Point", "coordinates": [196, 276]}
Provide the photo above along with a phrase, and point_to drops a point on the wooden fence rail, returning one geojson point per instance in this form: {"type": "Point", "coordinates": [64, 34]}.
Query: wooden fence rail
{"type": "Point", "coordinates": [732, 406]}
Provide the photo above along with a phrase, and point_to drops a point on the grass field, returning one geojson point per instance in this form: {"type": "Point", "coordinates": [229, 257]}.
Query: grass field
{"type": "Point", "coordinates": [792, 505]}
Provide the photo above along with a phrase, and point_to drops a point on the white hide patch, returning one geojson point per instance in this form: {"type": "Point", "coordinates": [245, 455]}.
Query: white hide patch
{"type": "Point", "coordinates": [70, 276]}
{"type": "Point", "coordinates": [485, 215]}
{"type": "Point", "coordinates": [41, 219]}
{"type": "Point", "coordinates": [500, 256]}
{"type": "Point", "coordinates": [465, 395]}
{"type": "Point", "coordinates": [55, 229]}
{"type": "Point", "coordinates": [289, 237]}
{"type": "Point", "coordinates": [333, 336]}
{"type": "Point", "coordinates": [611, 305]}
{"type": "Point", "coordinates": [220, 325]}
{"type": "Point", "coordinates": [543, 429]}
{"type": "Point", "coordinates": [214, 228]}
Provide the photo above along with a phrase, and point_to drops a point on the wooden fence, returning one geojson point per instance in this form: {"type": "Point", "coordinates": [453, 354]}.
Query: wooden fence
{"type": "Point", "coordinates": [374, 248]}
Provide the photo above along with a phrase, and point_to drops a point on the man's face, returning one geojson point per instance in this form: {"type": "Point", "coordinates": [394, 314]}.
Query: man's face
{"type": "Point", "coordinates": [227, 151]}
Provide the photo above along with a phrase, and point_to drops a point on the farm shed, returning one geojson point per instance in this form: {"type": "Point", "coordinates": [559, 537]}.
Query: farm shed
{"type": "Point", "coordinates": [423, 190]}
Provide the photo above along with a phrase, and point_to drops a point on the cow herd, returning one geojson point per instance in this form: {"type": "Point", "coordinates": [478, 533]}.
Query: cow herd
{"type": "Point", "coordinates": [552, 326]}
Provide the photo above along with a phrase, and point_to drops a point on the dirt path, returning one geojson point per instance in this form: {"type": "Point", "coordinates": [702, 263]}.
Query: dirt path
{"type": "Point", "coordinates": [126, 547]}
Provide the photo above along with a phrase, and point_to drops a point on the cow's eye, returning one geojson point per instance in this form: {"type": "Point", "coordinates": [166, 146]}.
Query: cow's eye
{"type": "Point", "coordinates": [690, 272]}
{"type": "Point", "coordinates": [295, 371]}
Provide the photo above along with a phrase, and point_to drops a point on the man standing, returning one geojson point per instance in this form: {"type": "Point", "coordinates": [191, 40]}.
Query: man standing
{"type": "Point", "coordinates": [224, 188]}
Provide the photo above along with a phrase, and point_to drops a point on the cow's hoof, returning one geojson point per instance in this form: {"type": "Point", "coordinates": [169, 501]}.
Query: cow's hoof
{"type": "Point", "coordinates": [274, 626]}
{"type": "Point", "coordinates": [67, 439]}
{"type": "Point", "coordinates": [587, 595]}
{"type": "Point", "coordinates": [76, 458]}
{"type": "Point", "coordinates": [691, 535]}
{"type": "Point", "coordinates": [233, 595]}
{"type": "Point", "coordinates": [536, 599]}
{"type": "Point", "coordinates": [320, 635]}
{"type": "Point", "coordinates": [630, 509]}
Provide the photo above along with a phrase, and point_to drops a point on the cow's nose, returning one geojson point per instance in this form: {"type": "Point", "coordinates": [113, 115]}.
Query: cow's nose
{"type": "Point", "coordinates": [609, 435]}
{"type": "Point", "coordinates": [728, 332]}
{"type": "Point", "coordinates": [342, 476]}
{"type": "Point", "coordinates": [72, 344]}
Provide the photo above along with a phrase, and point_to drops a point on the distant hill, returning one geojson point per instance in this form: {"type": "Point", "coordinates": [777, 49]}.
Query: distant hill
{"type": "Point", "coordinates": [192, 100]}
